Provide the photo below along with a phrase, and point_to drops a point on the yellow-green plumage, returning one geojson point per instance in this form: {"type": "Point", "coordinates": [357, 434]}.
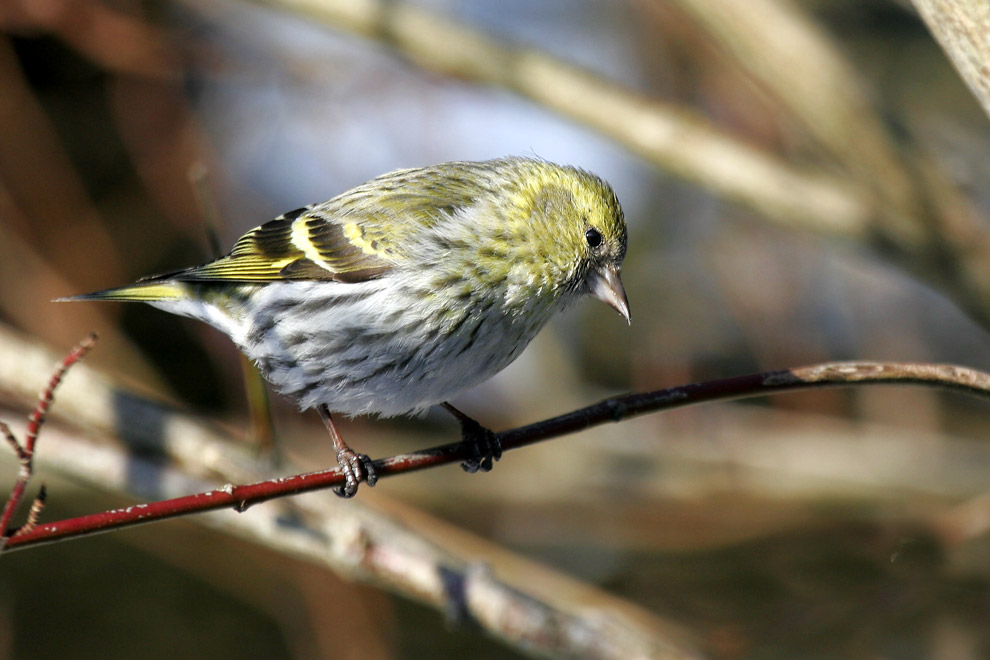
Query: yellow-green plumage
{"type": "Point", "coordinates": [151, 291]}
{"type": "Point", "coordinates": [408, 289]}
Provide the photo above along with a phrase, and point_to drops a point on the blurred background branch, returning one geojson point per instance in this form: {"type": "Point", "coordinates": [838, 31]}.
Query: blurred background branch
{"type": "Point", "coordinates": [961, 27]}
{"type": "Point", "coordinates": [893, 200]}
{"type": "Point", "coordinates": [783, 529]}
{"type": "Point", "coordinates": [672, 137]}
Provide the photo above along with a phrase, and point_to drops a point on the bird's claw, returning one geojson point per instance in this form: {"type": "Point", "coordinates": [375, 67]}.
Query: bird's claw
{"type": "Point", "coordinates": [356, 468]}
{"type": "Point", "coordinates": [484, 446]}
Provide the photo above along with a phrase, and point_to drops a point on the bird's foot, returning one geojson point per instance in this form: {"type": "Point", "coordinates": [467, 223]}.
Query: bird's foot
{"type": "Point", "coordinates": [481, 442]}
{"type": "Point", "coordinates": [356, 468]}
{"type": "Point", "coordinates": [484, 446]}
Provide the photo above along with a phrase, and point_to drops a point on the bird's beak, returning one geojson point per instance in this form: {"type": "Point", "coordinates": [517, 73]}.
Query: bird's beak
{"type": "Point", "coordinates": [605, 285]}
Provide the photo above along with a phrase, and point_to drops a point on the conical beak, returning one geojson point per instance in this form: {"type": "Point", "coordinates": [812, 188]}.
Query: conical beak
{"type": "Point", "coordinates": [607, 287]}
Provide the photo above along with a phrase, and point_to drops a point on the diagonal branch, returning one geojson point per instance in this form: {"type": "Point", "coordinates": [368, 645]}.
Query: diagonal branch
{"type": "Point", "coordinates": [871, 189]}
{"type": "Point", "coordinates": [961, 27]}
{"type": "Point", "coordinates": [673, 137]}
{"type": "Point", "coordinates": [834, 374]}
{"type": "Point", "coordinates": [25, 452]}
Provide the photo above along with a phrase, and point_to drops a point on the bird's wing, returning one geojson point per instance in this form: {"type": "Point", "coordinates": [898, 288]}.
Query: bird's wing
{"type": "Point", "coordinates": [301, 245]}
{"type": "Point", "coordinates": [357, 236]}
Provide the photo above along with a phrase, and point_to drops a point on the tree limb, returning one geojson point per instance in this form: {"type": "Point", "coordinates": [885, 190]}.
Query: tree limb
{"type": "Point", "coordinates": [962, 28]}
{"type": "Point", "coordinates": [615, 409]}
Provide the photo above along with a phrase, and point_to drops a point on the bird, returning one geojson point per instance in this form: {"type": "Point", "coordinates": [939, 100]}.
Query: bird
{"type": "Point", "coordinates": [407, 290]}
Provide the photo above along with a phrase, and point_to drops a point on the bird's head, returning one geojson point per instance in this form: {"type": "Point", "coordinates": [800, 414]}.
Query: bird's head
{"type": "Point", "coordinates": [582, 233]}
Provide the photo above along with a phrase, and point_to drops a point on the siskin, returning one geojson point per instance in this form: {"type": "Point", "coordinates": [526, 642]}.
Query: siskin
{"type": "Point", "coordinates": [403, 292]}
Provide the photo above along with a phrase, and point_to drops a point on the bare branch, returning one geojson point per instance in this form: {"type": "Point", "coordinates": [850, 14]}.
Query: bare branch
{"type": "Point", "coordinates": [12, 442]}
{"type": "Point", "coordinates": [961, 28]}
{"type": "Point", "coordinates": [25, 452]}
{"type": "Point", "coordinates": [37, 418]}
{"type": "Point", "coordinates": [615, 409]}
{"type": "Point", "coordinates": [95, 402]}
{"type": "Point", "coordinates": [675, 138]}
{"type": "Point", "coordinates": [34, 514]}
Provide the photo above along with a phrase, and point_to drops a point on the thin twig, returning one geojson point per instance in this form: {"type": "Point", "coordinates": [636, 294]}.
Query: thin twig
{"type": "Point", "coordinates": [13, 443]}
{"type": "Point", "coordinates": [834, 374]}
{"type": "Point", "coordinates": [34, 514]}
{"type": "Point", "coordinates": [25, 452]}
{"type": "Point", "coordinates": [37, 418]}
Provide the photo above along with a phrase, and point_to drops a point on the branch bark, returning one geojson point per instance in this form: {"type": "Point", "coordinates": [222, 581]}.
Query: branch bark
{"type": "Point", "coordinates": [962, 28]}
{"type": "Point", "coordinates": [616, 409]}
{"type": "Point", "coordinates": [25, 451]}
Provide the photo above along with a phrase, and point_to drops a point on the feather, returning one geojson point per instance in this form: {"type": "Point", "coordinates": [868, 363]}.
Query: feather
{"type": "Point", "coordinates": [296, 246]}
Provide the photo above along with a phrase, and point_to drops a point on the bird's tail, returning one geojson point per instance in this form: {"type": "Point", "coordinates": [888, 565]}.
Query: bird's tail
{"type": "Point", "coordinates": [148, 291]}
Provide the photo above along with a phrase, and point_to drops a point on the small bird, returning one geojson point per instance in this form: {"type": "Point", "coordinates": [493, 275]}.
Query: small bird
{"type": "Point", "coordinates": [407, 290]}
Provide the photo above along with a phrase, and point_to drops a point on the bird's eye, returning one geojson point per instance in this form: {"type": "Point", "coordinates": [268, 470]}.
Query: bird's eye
{"type": "Point", "coordinates": [594, 237]}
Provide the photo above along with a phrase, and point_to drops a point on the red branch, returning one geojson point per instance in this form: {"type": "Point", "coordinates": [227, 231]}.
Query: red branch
{"type": "Point", "coordinates": [25, 452]}
{"type": "Point", "coordinates": [615, 409]}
